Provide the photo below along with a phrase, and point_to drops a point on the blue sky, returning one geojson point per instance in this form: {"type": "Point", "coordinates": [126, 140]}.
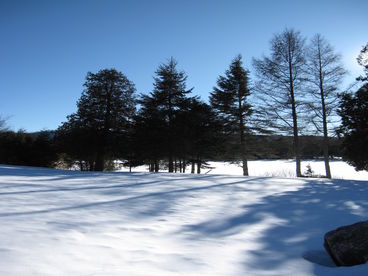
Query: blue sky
{"type": "Point", "coordinates": [47, 47]}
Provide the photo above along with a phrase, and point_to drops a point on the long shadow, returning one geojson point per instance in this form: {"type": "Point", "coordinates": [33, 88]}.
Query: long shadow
{"type": "Point", "coordinates": [10, 170]}
{"type": "Point", "coordinates": [117, 175]}
{"type": "Point", "coordinates": [105, 187]}
{"type": "Point", "coordinates": [303, 216]}
{"type": "Point", "coordinates": [161, 195]}
{"type": "Point", "coordinates": [65, 189]}
{"type": "Point", "coordinates": [4, 186]}
{"type": "Point", "coordinates": [61, 175]}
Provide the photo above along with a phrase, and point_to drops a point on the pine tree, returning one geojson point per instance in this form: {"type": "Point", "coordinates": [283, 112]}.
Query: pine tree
{"type": "Point", "coordinates": [105, 112]}
{"type": "Point", "coordinates": [230, 100]}
{"type": "Point", "coordinates": [363, 61]}
{"type": "Point", "coordinates": [170, 98]}
{"type": "Point", "coordinates": [354, 127]}
{"type": "Point", "coordinates": [149, 133]}
{"type": "Point", "coordinates": [199, 133]}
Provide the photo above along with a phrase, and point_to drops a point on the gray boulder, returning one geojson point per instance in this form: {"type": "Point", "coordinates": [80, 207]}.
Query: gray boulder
{"type": "Point", "coordinates": [348, 245]}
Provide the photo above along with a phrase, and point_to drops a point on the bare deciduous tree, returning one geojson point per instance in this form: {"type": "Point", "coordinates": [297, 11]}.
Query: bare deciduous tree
{"type": "Point", "coordinates": [325, 73]}
{"type": "Point", "coordinates": [280, 79]}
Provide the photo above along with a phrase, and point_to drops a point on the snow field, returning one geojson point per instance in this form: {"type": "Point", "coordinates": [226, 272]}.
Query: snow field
{"type": "Point", "coordinates": [79, 223]}
{"type": "Point", "coordinates": [278, 168]}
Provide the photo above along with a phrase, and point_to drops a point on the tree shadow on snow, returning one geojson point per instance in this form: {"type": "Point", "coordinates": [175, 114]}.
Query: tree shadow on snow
{"type": "Point", "coordinates": [292, 224]}
{"type": "Point", "coordinates": [169, 197]}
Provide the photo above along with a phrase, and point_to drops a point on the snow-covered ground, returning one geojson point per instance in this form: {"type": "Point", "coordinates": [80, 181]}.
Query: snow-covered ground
{"type": "Point", "coordinates": [74, 223]}
{"type": "Point", "coordinates": [279, 168]}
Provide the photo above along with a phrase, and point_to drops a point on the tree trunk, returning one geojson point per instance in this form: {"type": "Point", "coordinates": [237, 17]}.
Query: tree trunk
{"type": "Point", "coordinates": [157, 166]}
{"type": "Point", "coordinates": [199, 164]}
{"type": "Point", "coordinates": [324, 118]}
{"type": "Point", "coordinates": [171, 164]}
{"type": "Point", "coordinates": [99, 164]}
{"type": "Point", "coordinates": [184, 165]}
{"type": "Point", "coordinates": [170, 134]}
{"type": "Point", "coordinates": [241, 133]}
{"type": "Point", "coordinates": [245, 167]}
{"type": "Point", "coordinates": [297, 156]}
{"type": "Point", "coordinates": [326, 157]}
{"type": "Point", "coordinates": [295, 119]}
{"type": "Point", "coordinates": [193, 168]}
{"type": "Point", "coordinates": [91, 165]}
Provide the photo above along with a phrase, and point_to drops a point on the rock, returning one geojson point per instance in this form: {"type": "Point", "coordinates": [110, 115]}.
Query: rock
{"type": "Point", "coordinates": [348, 245]}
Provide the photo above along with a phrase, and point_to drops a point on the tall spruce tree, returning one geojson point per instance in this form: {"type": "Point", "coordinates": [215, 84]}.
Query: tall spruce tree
{"type": "Point", "coordinates": [280, 83]}
{"type": "Point", "coordinates": [105, 112]}
{"type": "Point", "coordinates": [229, 99]}
{"type": "Point", "coordinates": [170, 98]}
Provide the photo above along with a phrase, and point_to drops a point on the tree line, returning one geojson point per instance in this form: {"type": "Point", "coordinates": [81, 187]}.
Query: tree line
{"type": "Point", "coordinates": [295, 93]}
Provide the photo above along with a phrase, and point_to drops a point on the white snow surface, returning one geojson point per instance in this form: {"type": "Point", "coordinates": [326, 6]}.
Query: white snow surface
{"type": "Point", "coordinates": [278, 168]}
{"type": "Point", "coordinates": [57, 222]}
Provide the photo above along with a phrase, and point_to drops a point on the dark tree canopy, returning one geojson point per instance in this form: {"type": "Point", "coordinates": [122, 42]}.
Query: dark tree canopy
{"type": "Point", "coordinates": [104, 116]}
{"type": "Point", "coordinates": [149, 133]}
{"type": "Point", "coordinates": [108, 103]}
{"type": "Point", "coordinates": [363, 61]}
{"type": "Point", "coordinates": [229, 99]}
{"type": "Point", "coordinates": [31, 149]}
{"type": "Point", "coordinates": [169, 98]}
{"type": "Point", "coordinates": [354, 116]}
{"type": "Point", "coordinates": [199, 133]}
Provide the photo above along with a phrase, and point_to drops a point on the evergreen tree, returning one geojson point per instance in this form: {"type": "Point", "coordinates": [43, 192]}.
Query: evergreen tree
{"type": "Point", "coordinates": [105, 112]}
{"type": "Point", "coordinates": [43, 152]}
{"type": "Point", "coordinates": [76, 143]}
{"type": "Point", "coordinates": [149, 133]}
{"type": "Point", "coordinates": [199, 132]}
{"type": "Point", "coordinates": [363, 61]}
{"type": "Point", "coordinates": [280, 82]}
{"type": "Point", "coordinates": [325, 73]}
{"type": "Point", "coordinates": [30, 149]}
{"type": "Point", "coordinates": [230, 101]}
{"type": "Point", "coordinates": [170, 98]}
{"type": "Point", "coordinates": [354, 126]}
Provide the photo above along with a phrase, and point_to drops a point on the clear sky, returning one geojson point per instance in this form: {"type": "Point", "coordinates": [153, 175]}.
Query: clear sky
{"type": "Point", "coordinates": [47, 47]}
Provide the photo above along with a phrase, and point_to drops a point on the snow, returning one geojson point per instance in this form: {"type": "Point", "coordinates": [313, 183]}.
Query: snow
{"type": "Point", "coordinates": [57, 222]}
{"type": "Point", "coordinates": [278, 168]}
